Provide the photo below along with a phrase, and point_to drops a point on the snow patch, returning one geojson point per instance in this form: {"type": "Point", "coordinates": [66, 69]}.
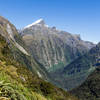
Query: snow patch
{"type": "Point", "coordinates": [37, 22]}
{"type": "Point", "coordinates": [39, 74]}
{"type": "Point", "coordinates": [46, 26]}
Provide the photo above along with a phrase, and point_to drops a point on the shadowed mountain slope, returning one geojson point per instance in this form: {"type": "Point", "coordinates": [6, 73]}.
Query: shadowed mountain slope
{"type": "Point", "coordinates": [90, 89]}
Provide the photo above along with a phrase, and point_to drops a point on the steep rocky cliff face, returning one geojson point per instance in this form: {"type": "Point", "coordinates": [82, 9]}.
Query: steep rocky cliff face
{"type": "Point", "coordinates": [19, 49]}
{"type": "Point", "coordinates": [55, 50]}
{"type": "Point", "coordinates": [51, 47]}
{"type": "Point", "coordinates": [77, 71]}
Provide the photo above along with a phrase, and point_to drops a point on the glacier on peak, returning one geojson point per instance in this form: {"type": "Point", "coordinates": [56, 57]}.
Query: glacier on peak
{"type": "Point", "coordinates": [38, 22]}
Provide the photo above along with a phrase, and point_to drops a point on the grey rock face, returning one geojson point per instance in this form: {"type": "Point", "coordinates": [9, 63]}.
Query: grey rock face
{"type": "Point", "coordinates": [51, 46]}
{"type": "Point", "coordinates": [19, 49]}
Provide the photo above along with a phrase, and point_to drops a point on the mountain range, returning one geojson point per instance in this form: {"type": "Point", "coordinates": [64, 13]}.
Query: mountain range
{"type": "Point", "coordinates": [55, 49]}
{"type": "Point", "coordinates": [37, 56]}
{"type": "Point", "coordinates": [51, 46]}
{"type": "Point", "coordinates": [21, 76]}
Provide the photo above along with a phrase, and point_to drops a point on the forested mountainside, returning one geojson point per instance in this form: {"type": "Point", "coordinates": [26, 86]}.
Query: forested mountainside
{"type": "Point", "coordinates": [90, 89]}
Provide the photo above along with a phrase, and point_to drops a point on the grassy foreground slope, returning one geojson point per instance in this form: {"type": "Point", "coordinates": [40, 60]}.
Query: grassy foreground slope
{"type": "Point", "coordinates": [18, 83]}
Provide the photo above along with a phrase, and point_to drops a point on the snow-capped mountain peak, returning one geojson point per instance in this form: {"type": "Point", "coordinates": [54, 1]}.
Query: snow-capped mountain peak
{"type": "Point", "coordinates": [38, 22]}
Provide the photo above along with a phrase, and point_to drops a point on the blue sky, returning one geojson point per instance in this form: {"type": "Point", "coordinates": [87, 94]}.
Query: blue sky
{"type": "Point", "coordinates": [75, 16]}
